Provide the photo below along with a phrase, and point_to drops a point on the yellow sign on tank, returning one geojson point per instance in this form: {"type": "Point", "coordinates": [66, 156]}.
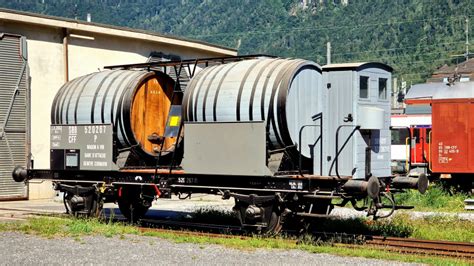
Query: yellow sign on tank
{"type": "Point", "coordinates": [174, 121]}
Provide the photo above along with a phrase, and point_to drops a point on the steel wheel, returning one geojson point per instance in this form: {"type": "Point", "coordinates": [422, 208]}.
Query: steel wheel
{"type": "Point", "coordinates": [87, 205]}
{"type": "Point", "coordinates": [132, 210]}
{"type": "Point", "coordinates": [274, 224]}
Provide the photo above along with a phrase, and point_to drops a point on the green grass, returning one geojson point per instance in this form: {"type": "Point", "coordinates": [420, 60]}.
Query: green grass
{"type": "Point", "coordinates": [214, 216]}
{"type": "Point", "coordinates": [440, 227]}
{"type": "Point", "coordinates": [364, 226]}
{"type": "Point", "coordinates": [400, 225]}
{"type": "Point", "coordinates": [435, 199]}
{"type": "Point", "coordinates": [282, 243]}
{"type": "Point", "coordinates": [50, 227]}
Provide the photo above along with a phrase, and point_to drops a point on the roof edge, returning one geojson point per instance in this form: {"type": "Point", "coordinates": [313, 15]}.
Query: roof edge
{"type": "Point", "coordinates": [85, 26]}
{"type": "Point", "coordinates": [358, 66]}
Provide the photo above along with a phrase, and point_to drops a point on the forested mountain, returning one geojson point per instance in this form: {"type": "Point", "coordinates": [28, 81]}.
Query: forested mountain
{"type": "Point", "coordinates": [413, 36]}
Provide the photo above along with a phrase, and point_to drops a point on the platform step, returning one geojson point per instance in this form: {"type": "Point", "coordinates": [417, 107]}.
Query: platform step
{"type": "Point", "coordinates": [404, 207]}
{"type": "Point", "coordinates": [312, 215]}
{"type": "Point", "coordinates": [398, 207]}
{"type": "Point", "coordinates": [320, 197]}
{"type": "Point", "coordinates": [469, 204]}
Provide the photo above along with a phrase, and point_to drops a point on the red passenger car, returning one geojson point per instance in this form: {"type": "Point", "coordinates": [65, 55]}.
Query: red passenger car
{"type": "Point", "coordinates": [420, 144]}
{"type": "Point", "coordinates": [418, 126]}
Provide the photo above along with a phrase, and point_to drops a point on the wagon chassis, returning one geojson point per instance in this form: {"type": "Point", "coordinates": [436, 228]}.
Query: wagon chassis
{"type": "Point", "coordinates": [263, 202]}
{"type": "Point", "coordinates": [260, 202]}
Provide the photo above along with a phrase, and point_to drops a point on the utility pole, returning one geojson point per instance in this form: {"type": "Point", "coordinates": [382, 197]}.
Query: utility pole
{"type": "Point", "coordinates": [466, 53]}
{"type": "Point", "coordinates": [328, 53]}
{"type": "Point", "coordinates": [467, 38]}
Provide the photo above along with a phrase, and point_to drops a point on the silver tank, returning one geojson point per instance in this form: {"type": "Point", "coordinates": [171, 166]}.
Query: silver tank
{"type": "Point", "coordinates": [282, 92]}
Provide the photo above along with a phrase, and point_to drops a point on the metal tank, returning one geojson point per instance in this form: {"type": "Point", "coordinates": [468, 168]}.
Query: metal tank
{"type": "Point", "coordinates": [282, 92]}
{"type": "Point", "coordinates": [136, 103]}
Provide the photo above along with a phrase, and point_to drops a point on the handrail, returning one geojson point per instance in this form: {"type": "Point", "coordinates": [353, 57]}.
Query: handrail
{"type": "Point", "coordinates": [429, 151]}
{"type": "Point", "coordinates": [318, 116]}
{"type": "Point", "coordinates": [338, 151]}
{"type": "Point", "coordinates": [299, 148]}
{"type": "Point", "coordinates": [195, 61]}
{"type": "Point", "coordinates": [408, 154]}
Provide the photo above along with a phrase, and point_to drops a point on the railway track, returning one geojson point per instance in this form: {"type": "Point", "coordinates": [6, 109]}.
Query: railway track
{"type": "Point", "coordinates": [191, 227]}
{"type": "Point", "coordinates": [420, 246]}
{"type": "Point", "coordinates": [394, 244]}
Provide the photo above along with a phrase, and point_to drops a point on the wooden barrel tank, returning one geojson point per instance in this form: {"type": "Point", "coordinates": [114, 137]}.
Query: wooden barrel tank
{"type": "Point", "coordinates": [282, 92]}
{"type": "Point", "coordinates": [135, 102]}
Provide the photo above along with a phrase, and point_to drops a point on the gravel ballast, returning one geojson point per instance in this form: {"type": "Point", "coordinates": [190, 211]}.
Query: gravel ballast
{"type": "Point", "coordinates": [21, 249]}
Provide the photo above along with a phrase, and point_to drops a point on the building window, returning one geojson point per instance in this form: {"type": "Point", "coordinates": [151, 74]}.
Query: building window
{"type": "Point", "coordinates": [462, 79]}
{"type": "Point", "coordinates": [399, 136]}
{"type": "Point", "coordinates": [364, 87]}
{"type": "Point", "coordinates": [382, 89]}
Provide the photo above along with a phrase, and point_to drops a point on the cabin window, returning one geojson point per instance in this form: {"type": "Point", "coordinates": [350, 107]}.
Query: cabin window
{"type": "Point", "coordinates": [382, 88]}
{"type": "Point", "coordinates": [364, 87]}
{"type": "Point", "coordinates": [416, 135]}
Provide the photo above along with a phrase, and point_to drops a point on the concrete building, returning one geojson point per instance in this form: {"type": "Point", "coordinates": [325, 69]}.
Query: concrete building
{"type": "Point", "coordinates": [61, 49]}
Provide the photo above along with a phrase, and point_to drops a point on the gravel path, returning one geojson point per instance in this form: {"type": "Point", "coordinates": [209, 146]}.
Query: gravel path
{"type": "Point", "coordinates": [348, 213]}
{"type": "Point", "coordinates": [166, 208]}
{"type": "Point", "coordinates": [20, 249]}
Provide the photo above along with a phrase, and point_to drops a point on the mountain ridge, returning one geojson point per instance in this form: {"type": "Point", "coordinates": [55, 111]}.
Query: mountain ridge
{"type": "Point", "coordinates": [415, 37]}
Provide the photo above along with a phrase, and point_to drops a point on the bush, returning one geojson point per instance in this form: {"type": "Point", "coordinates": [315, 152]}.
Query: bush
{"type": "Point", "coordinates": [435, 198]}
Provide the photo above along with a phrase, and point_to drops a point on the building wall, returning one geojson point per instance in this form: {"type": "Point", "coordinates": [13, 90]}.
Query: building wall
{"type": "Point", "coordinates": [47, 71]}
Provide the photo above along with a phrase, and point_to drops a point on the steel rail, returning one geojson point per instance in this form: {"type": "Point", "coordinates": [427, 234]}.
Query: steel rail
{"type": "Point", "coordinates": [440, 248]}
{"type": "Point", "coordinates": [393, 244]}
{"type": "Point", "coordinates": [432, 247]}
{"type": "Point", "coordinates": [464, 250]}
{"type": "Point", "coordinates": [202, 229]}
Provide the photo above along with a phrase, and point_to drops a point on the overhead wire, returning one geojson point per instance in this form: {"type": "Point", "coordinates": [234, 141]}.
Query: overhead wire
{"type": "Point", "coordinates": [456, 18]}
{"type": "Point", "coordinates": [314, 28]}
{"type": "Point", "coordinates": [386, 52]}
{"type": "Point", "coordinates": [385, 57]}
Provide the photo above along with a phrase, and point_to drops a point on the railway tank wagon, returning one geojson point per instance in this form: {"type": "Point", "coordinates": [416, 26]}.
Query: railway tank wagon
{"type": "Point", "coordinates": [257, 129]}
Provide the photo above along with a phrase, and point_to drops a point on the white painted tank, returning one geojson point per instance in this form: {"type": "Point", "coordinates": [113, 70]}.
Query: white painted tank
{"type": "Point", "coordinates": [282, 92]}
